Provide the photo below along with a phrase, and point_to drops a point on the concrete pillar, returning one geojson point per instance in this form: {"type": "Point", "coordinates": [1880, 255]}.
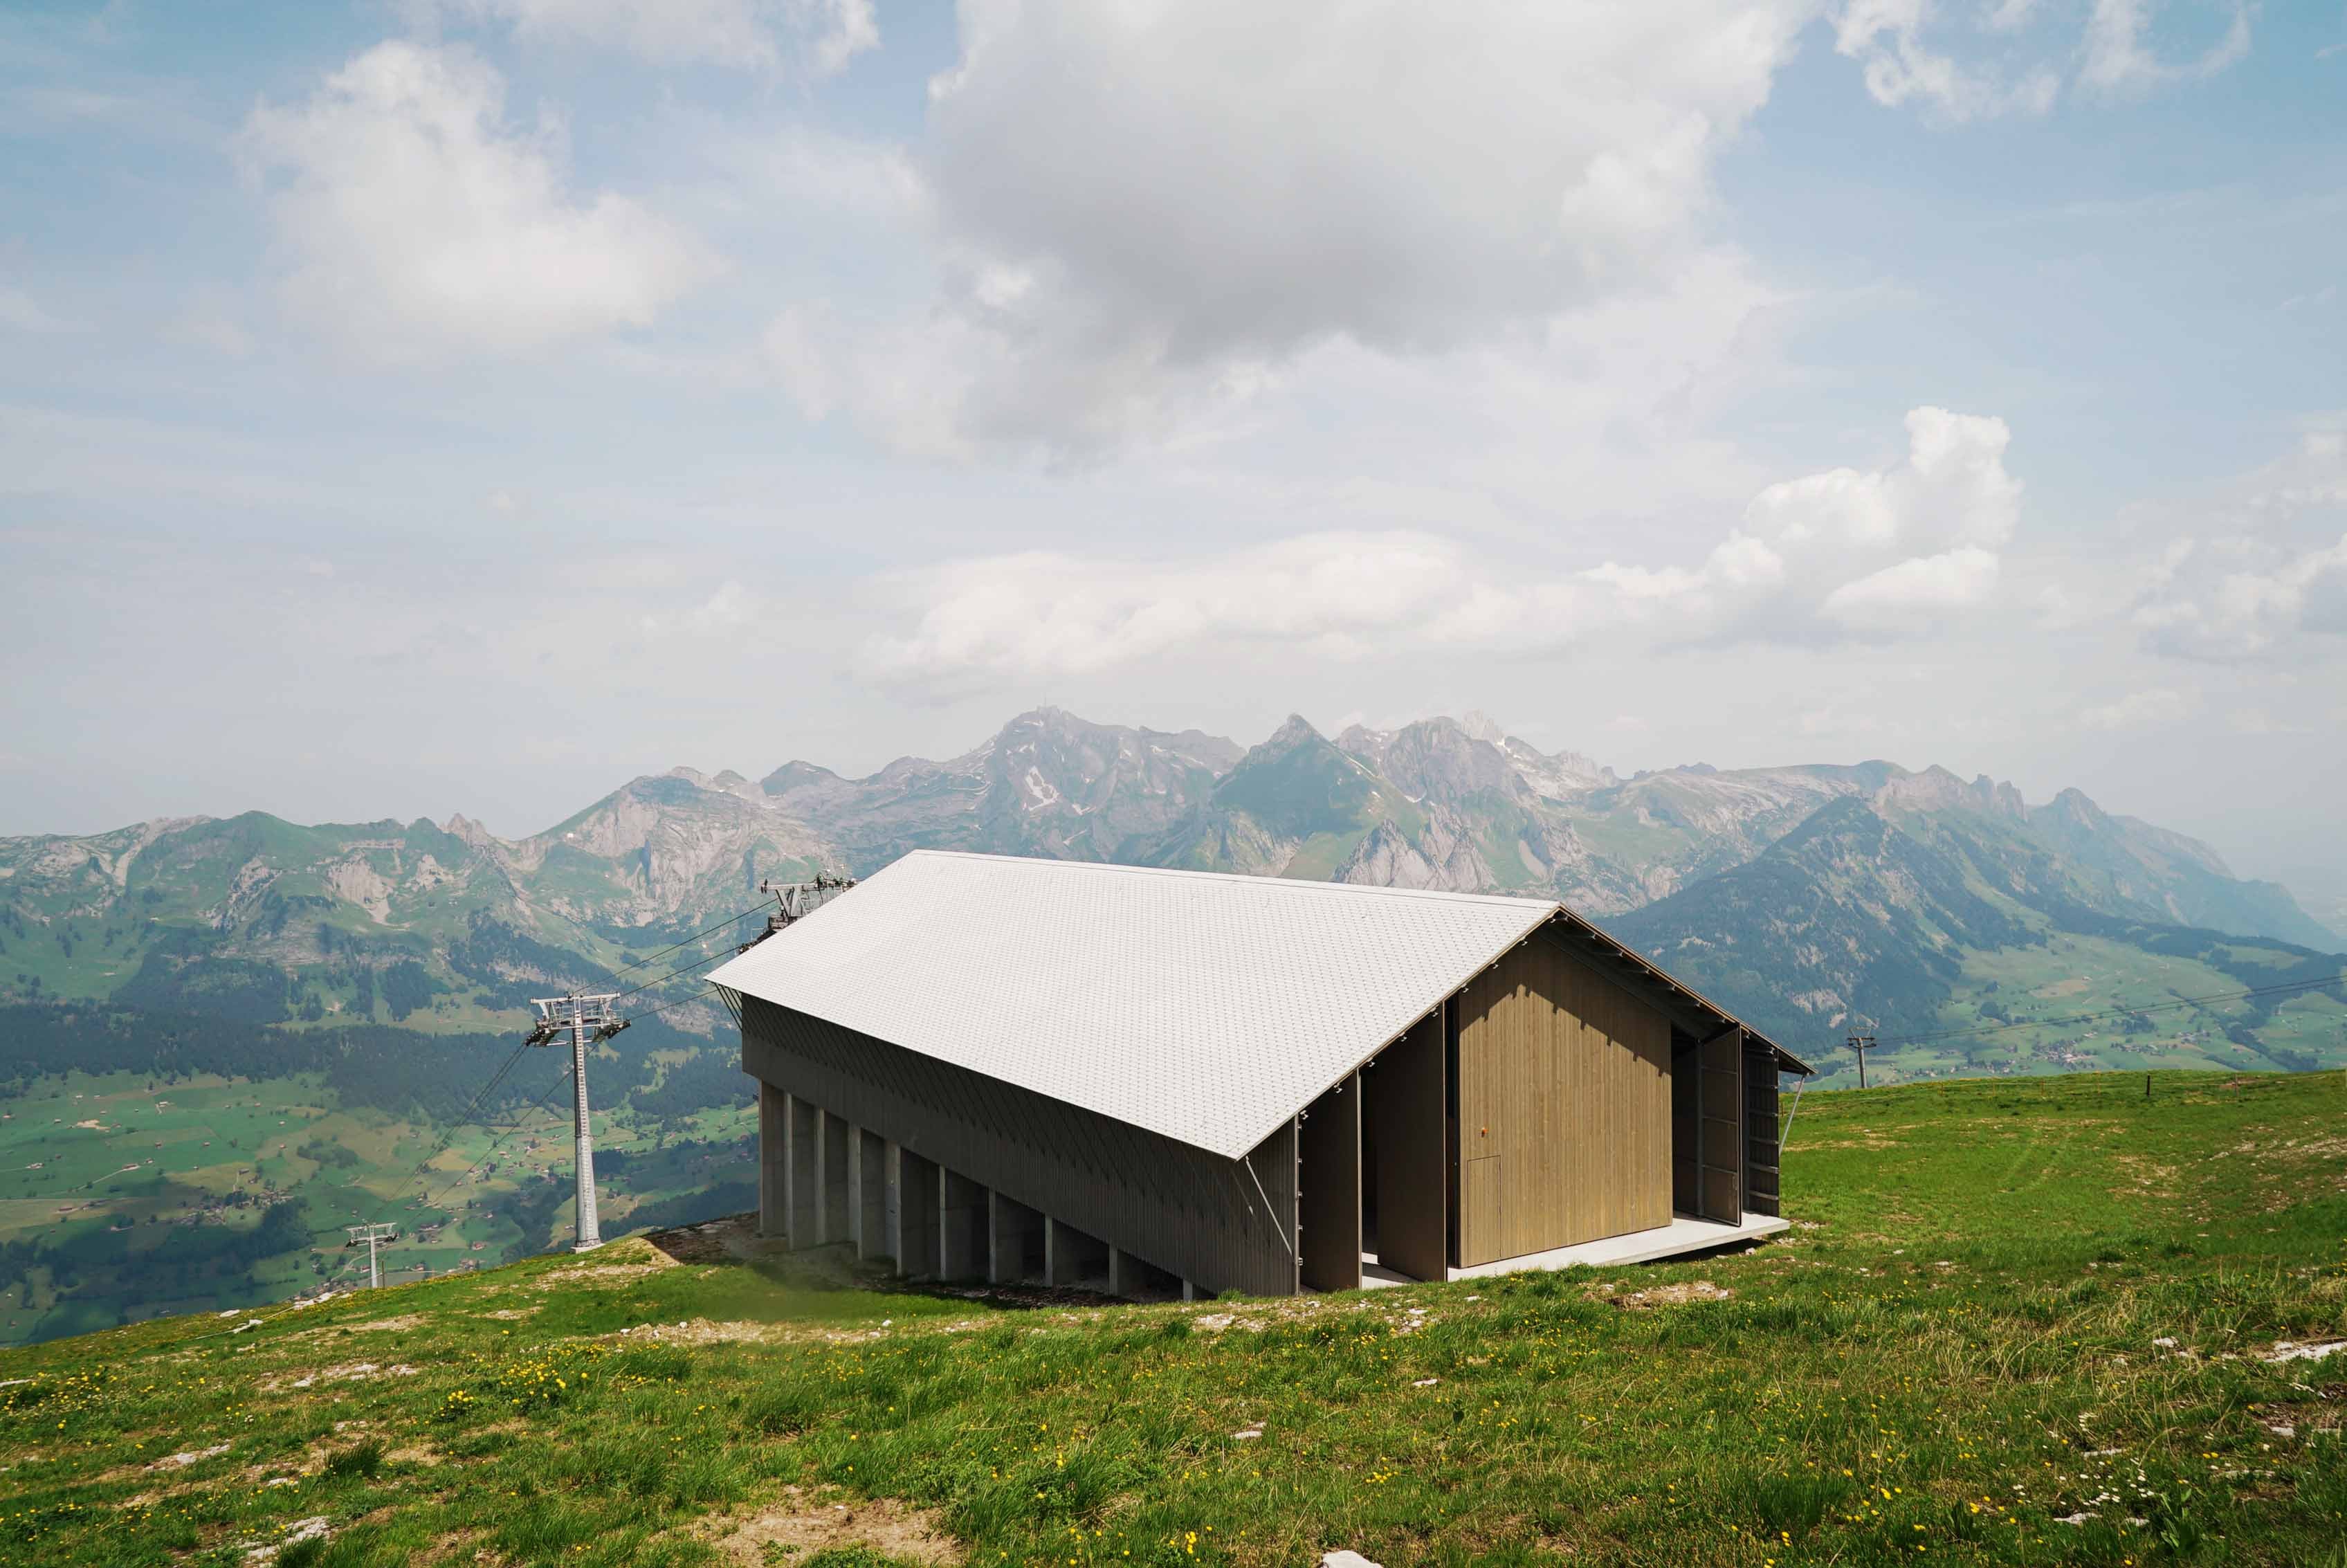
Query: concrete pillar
{"type": "Point", "coordinates": [1072, 1256]}
{"type": "Point", "coordinates": [892, 1201]}
{"type": "Point", "coordinates": [800, 1172]}
{"type": "Point", "coordinates": [855, 1189]}
{"type": "Point", "coordinates": [961, 1226]}
{"type": "Point", "coordinates": [1118, 1282]}
{"type": "Point", "coordinates": [1059, 1257]}
{"type": "Point", "coordinates": [869, 1177]}
{"type": "Point", "coordinates": [1014, 1232]}
{"type": "Point", "coordinates": [1189, 1290]}
{"type": "Point", "coordinates": [917, 1216]}
{"type": "Point", "coordinates": [773, 1160]}
{"type": "Point", "coordinates": [832, 1185]}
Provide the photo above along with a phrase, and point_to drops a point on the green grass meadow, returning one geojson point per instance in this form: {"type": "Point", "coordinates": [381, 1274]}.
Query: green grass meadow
{"type": "Point", "coordinates": [2026, 1320]}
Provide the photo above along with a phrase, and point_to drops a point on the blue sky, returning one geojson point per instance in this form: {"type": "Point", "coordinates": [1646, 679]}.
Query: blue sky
{"type": "Point", "coordinates": [427, 406]}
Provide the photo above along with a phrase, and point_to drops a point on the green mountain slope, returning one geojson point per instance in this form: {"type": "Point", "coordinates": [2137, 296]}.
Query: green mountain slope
{"type": "Point", "coordinates": [1966, 944]}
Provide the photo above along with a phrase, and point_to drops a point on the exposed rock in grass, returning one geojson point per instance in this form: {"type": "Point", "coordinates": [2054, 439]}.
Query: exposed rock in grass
{"type": "Point", "coordinates": [807, 1522]}
{"type": "Point", "coordinates": [2289, 1351]}
{"type": "Point", "coordinates": [599, 1275]}
{"type": "Point", "coordinates": [697, 1331]}
{"type": "Point", "coordinates": [1670, 1295]}
{"type": "Point", "coordinates": [1347, 1560]}
{"type": "Point", "coordinates": [311, 1529]}
{"type": "Point", "coordinates": [192, 1456]}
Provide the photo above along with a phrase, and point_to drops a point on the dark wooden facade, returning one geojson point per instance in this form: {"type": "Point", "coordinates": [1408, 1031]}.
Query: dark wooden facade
{"type": "Point", "coordinates": [1221, 1223]}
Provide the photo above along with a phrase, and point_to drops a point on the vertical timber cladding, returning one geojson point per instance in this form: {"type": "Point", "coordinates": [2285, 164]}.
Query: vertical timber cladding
{"type": "Point", "coordinates": [1719, 1139]}
{"type": "Point", "coordinates": [1565, 1106]}
{"type": "Point", "coordinates": [1761, 1190]}
{"type": "Point", "coordinates": [1328, 1155]}
{"type": "Point", "coordinates": [1224, 1224]}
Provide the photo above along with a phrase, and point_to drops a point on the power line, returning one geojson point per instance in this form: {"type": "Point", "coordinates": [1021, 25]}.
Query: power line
{"type": "Point", "coordinates": [697, 935]}
{"type": "Point", "coordinates": [681, 968]}
{"type": "Point", "coordinates": [664, 1007]}
{"type": "Point", "coordinates": [561, 1079]}
{"type": "Point", "coordinates": [2272, 990]}
{"type": "Point", "coordinates": [464, 1119]}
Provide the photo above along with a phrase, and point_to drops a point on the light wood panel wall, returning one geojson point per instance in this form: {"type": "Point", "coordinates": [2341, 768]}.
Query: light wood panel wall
{"type": "Point", "coordinates": [1565, 1106]}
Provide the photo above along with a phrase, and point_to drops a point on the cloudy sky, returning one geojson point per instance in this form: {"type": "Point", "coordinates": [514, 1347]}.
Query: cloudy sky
{"type": "Point", "coordinates": [419, 406]}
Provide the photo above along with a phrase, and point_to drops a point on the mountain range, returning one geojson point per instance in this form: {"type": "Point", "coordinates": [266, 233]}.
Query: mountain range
{"type": "Point", "coordinates": [224, 1041]}
{"type": "Point", "coordinates": [1818, 898]}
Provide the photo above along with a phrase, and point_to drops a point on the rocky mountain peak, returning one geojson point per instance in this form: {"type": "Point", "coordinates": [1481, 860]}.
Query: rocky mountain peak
{"type": "Point", "coordinates": [1296, 732]}
{"type": "Point", "coordinates": [2074, 808]}
{"type": "Point", "coordinates": [1437, 759]}
{"type": "Point", "coordinates": [1480, 725]}
{"type": "Point", "coordinates": [1935, 788]}
{"type": "Point", "coordinates": [1559, 776]}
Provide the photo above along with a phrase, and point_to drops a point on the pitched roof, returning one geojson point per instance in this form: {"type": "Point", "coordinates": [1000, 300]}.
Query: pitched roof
{"type": "Point", "coordinates": [1206, 1008]}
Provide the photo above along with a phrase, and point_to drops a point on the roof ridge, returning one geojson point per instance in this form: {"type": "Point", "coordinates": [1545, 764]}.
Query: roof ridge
{"type": "Point", "coordinates": [1294, 883]}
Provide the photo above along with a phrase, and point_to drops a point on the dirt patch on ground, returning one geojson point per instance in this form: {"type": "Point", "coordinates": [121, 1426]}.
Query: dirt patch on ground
{"type": "Point", "coordinates": [801, 1523]}
{"type": "Point", "coordinates": [711, 1241]}
{"type": "Point", "coordinates": [1670, 1295]}
{"type": "Point", "coordinates": [696, 1331]}
{"type": "Point", "coordinates": [390, 1324]}
{"type": "Point", "coordinates": [599, 1275]}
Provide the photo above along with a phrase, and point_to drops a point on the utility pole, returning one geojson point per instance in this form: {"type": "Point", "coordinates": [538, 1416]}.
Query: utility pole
{"type": "Point", "coordinates": [1861, 1043]}
{"type": "Point", "coordinates": [588, 1022]}
{"type": "Point", "coordinates": [371, 1234]}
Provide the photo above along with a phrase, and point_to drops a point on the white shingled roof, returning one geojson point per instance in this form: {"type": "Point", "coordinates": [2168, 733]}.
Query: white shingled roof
{"type": "Point", "coordinates": [1210, 1008]}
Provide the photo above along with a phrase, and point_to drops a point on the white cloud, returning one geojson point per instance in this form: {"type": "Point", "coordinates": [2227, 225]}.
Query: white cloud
{"type": "Point", "coordinates": [823, 35]}
{"type": "Point", "coordinates": [2252, 613]}
{"type": "Point", "coordinates": [1886, 38]}
{"type": "Point", "coordinates": [2274, 576]}
{"type": "Point", "coordinates": [1130, 219]}
{"type": "Point", "coordinates": [422, 224]}
{"type": "Point", "coordinates": [210, 321]}
{"type": "Point", "coordinates": [1873, 554]}
{"type": "Point", "coordinates": [19, 311]}
{"type": "Point", "coordinates": [1924, 586]}
{"type": "Point", "coordinates": [2118, 60]}
{"type": "Point", "coordinates": [2139, 710]}
{"type": "Point", "coordinates": [1906, 54]}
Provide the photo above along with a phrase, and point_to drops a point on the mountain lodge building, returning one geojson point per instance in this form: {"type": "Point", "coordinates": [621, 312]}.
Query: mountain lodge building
{"type": "Point", "coordinates": [984, 1067]}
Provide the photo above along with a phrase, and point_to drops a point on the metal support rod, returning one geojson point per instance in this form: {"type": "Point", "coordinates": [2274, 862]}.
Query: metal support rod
{"type": "Point", "coordinates": [1785, 1132]}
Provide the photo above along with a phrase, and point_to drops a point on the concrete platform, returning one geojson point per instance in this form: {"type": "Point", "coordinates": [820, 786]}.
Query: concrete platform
{"type": "Point", "coordinates": [1683, 1236]}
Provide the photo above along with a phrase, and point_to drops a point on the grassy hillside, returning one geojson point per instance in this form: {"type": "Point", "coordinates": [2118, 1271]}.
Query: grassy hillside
{"type": "Point", "coordinates": [2042, 1321]}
